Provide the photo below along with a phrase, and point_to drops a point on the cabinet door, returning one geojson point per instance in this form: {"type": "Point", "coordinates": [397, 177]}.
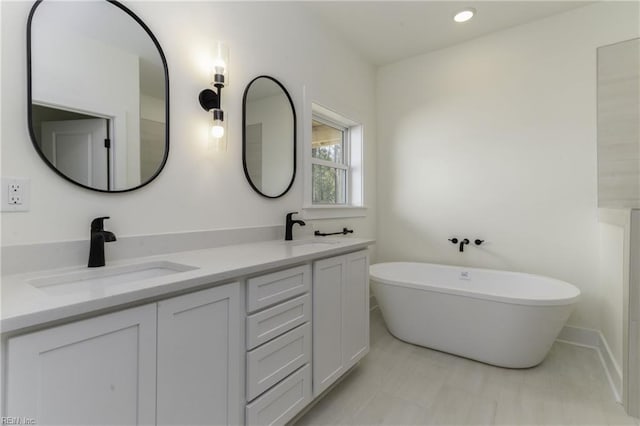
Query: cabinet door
{"type": "Point", "coordinates": [328, 278]}
{"type": "Point", "coordinates": [355, 306]}
{"type": "Point", "coordinates": [199, 358]}
{"type": "Point", "coordinates": [96, 371]}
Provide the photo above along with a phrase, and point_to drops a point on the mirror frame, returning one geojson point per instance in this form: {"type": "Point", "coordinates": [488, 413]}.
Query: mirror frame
{"type": "Point", "coordinates": [30, 99]}
{"type": "Point", "coordinates": [244, 137]}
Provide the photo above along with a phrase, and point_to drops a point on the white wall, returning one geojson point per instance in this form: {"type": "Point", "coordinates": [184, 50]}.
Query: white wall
{"type": "Point", "coordinates": [496, 139]}
{"type": "Point", "coordinates": [198, 189]}
{"type": "Point", "coordinates": [152, 108]}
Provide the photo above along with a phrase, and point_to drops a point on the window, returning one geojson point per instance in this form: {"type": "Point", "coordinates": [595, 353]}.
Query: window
{"type": "Point", "coordinates": [330, 170]}
{"type": "Point", "coordinates": [334, 186]}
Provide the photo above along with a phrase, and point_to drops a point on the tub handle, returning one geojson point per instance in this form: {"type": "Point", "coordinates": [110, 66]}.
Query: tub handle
{"type": "Point", "coordinates": [478, 242]}
{"type": "Point", "coordinates": [453, 240]}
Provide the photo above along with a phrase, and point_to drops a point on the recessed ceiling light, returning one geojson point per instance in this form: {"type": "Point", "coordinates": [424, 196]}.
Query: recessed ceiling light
{"type": "Point", "coordinates": [464, 15]}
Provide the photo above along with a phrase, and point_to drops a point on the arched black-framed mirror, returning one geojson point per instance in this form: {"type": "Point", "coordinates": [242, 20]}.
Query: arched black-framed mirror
{"type": "Point", "coordinates": [268, 137]}
{"type": "Point", "coordinates": [98, 94]}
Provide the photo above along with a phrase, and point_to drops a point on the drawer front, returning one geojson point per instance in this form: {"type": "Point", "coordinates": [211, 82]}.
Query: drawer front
{"type": "Point", "coordinates": [267, 290]}
{"type": "Point", "coordinates": [273, 361]}
{"type": "Point", "coordinates": [283, 402]}
{"type": "Point", "coordinates": [273, 322]}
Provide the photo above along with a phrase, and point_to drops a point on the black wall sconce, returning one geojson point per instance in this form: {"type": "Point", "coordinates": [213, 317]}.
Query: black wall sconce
{"type": "Point", "coordinates": [211, 100]}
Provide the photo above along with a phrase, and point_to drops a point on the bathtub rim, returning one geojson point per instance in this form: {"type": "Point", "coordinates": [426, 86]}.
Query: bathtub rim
{"type": "Point", "coordinates": [424, 286]}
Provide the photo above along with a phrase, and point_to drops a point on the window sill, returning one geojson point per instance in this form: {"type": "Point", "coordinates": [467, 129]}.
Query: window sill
{"type": "Point", "coordinates": [333, 212]}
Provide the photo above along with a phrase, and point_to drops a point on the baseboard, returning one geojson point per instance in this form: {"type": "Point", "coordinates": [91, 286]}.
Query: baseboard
{"type": "Point", "coordinates": [594, 339]}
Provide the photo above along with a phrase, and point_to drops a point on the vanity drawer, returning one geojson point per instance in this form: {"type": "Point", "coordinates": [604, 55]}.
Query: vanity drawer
{"type": "Point", "coordinates": [277, 320]}
{"type": "Point", "coordinates": [283, 402]}
{"type": "Point", "coordinates": [269, 289]}
{"type": "Point", "coordinates": [275, 360]}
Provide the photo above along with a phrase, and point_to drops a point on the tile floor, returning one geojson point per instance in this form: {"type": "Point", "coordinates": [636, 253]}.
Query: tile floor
{"type": "Point", "coordinates": [402, 384]}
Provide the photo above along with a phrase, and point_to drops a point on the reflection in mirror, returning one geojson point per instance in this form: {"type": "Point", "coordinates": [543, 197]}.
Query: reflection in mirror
{"type": "Point", "coordinates": [98, 94]}
{"type": "Point", "coordinates": [269, 137]}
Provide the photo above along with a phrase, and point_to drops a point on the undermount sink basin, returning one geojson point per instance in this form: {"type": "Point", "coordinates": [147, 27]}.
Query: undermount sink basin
{"type": "Point", "coordinates": [99, 278]}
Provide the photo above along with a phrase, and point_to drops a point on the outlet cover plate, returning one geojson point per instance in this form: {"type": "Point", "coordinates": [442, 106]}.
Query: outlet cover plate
{"type": "Point", "coordinates": [25, 194]}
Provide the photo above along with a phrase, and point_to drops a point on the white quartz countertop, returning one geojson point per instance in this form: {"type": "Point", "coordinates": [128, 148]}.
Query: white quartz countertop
{"type": "Point", "coordinates": [25, 305]}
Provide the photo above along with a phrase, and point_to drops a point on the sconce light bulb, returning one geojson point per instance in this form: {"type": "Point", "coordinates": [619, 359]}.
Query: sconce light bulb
{"type": "Point", "coordinates": [220, 59]}
{"type": "Point", "coordinates": [217, 130]}
{"type": "Point", "coordinates": [219, 66]}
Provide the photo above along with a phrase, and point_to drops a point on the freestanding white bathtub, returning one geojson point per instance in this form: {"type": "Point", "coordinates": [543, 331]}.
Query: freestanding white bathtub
{"type": "Point", "coordinates": [507, 319]}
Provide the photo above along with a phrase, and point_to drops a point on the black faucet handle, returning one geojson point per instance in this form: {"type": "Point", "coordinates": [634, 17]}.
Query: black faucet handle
{"type": "Point", "coordinates": [478, 242]}
{"type": "Point", "coordinates": [453, 240]}
{"type": "Point", "coordinates": [97, 224]}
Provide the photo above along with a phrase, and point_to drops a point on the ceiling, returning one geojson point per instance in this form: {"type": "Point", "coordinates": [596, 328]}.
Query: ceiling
{"type": "Point", "coordinates": [389, 31]}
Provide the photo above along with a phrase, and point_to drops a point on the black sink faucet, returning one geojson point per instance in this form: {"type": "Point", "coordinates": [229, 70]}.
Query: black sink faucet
{"type": "Point", "coordinates": [288, 229]}
{"type": "Point", "coordinates": [98, 237]}
{"type": "Point", "coordinates": [463, 243]}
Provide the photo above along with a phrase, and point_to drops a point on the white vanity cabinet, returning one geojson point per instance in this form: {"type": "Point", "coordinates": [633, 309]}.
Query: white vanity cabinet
{"type": "Point", "coordinates": [100, 370]}
{"type": "Point", "coordinates": [340, 316]}
{"type": "Point", "coordinates": [254, 351]}
{"type": "Point", "coordinates": [199, 358]}
{"type": "Point", "coordinates": [279, 333]}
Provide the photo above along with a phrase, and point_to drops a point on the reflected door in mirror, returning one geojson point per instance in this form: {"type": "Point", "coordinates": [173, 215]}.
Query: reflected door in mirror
{"type": "Point", "coordinates": [77, 149]}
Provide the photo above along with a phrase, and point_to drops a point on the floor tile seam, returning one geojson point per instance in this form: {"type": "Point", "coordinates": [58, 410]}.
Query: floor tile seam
{"type": "Point", "coordinates": [357, 412]}
{"type": "Point", "coordinates": [413, 401]}
{"type": "Point", "coordinates": [427, 409]}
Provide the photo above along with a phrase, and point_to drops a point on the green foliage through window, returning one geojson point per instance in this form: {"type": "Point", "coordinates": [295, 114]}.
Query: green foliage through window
{"type": "Point", "coordinates": [329, 185]}
{"type": "Point", "coordinates": [329, 182]}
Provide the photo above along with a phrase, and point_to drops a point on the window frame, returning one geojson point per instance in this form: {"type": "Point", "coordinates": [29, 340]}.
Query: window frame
{"type": "Point", "coordinates": [354, 159]}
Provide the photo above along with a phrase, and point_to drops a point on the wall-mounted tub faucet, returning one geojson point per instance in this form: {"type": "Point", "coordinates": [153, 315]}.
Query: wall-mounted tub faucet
{"type": "Point", "coordinates": [288, 228]}
{"type": "Point", "coordinates": [98, 237]}
{"type": "Point", "coordinates": [462, 242]}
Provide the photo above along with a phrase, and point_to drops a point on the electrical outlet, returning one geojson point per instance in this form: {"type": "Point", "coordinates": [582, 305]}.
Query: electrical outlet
{"type": "Point", "coordinates": [15, 194]}
{"type": "Point", "coordinates": [15, 199]}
